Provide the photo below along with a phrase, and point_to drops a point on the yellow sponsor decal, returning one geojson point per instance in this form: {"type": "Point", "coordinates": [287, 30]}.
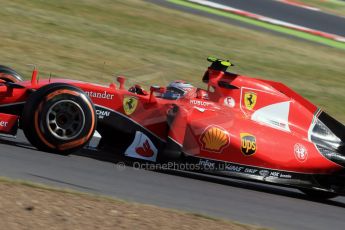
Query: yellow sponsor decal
{"type": "Point", "coordinates": [250, 100]}
{"type": "Point", "coordinates": [129, 104]}
{"type": "Point", "coordinates": [248, 144]}
{"type": "Point", "coordinates": [214, 139]}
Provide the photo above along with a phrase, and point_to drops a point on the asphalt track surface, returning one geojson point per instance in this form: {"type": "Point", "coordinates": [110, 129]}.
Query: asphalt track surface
{"type": "Point", "coordinates": [101, 173]}
{"type": "Point", "coordinates": [303, 17]}
{"type": "Point", "coordinates": [267, 28]}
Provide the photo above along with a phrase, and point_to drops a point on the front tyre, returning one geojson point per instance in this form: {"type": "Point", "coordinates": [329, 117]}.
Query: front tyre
{"type": "Point", "coordinates": [10, 75]}
{"type": "Point", "coordinates": [59, 118]}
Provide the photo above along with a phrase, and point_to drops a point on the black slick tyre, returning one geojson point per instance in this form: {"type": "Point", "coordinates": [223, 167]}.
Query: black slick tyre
{"type": "Point", "coordinates": [10, 75]}
{"type": "Point", "coordinates": [59, 118]}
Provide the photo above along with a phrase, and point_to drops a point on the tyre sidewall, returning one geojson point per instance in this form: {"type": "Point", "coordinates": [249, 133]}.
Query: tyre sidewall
{"type": "Point", "coordinates": [10, 75]}
{"type": "Point", "coordinates": [35, 114]}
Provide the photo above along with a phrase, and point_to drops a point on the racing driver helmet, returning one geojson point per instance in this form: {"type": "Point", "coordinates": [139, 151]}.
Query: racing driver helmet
{"type": "Point", "coordinates": [178, 89]}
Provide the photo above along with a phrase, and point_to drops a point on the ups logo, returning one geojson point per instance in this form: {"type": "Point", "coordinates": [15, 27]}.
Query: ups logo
{"type": "Point", "coordinates": [248, 144]}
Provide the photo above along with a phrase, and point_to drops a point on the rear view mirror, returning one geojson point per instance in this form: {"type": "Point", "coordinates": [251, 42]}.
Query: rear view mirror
{"type": "Point", "coordinates": [121, 80]}
{"type": "Point", "coordinates": [155, 89]}
{"type": "Point", "coordinates": [6, 88]}
{"type": "Point", "coordinates": [3, 88]}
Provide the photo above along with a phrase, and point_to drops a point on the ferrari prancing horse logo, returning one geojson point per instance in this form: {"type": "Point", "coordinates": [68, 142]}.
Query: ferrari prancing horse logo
{"type": "Point", "coordinates": [250, 100]}
{"type": "Point", "coordinates": [129, 104]}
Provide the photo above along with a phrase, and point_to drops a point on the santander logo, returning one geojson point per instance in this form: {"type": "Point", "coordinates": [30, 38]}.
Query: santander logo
{"type": "Point", "coordinates": [145, 150]}
{"type": "Point", "coordinates": [104, 95]}
{"type": "Point", "coordinates": [3, 124]}
{"type": "Point", "coordinates": [142, 148]}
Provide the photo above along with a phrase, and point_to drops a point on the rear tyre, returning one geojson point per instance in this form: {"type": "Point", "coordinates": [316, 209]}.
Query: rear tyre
{"type": "Point", "coordinates": [319, 195]}
{"type": "Point", "coordinates": [10, 75]}
{"type": "Point", "coordinates": [59, 118]}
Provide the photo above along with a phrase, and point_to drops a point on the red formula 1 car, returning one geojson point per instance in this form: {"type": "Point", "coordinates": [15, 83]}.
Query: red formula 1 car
{"type": "Point", "coordinates": [238, 126]}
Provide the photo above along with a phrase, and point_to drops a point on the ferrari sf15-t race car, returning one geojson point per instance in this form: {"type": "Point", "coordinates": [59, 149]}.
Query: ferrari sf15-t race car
{"type": "Point", "coordinates": [237, 126]}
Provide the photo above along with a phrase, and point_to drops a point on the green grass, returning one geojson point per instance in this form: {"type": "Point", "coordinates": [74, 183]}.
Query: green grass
{"type": "Point", "coordinates": [149, 43]}
{"type": "Point", "coordinates": [331, 6]}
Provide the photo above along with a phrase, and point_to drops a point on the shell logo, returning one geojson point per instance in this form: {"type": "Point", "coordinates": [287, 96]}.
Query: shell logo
{"type": "Point", "coordinates": [214, 139]}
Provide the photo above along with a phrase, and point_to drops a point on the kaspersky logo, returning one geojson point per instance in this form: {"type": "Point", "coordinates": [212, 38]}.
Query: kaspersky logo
{"type": "Point", "coordinates": [248, 144]}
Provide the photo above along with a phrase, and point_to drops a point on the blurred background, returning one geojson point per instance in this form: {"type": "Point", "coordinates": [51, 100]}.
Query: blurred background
{"type": "Point", "coordinates": [298, 42]}
{"type": "Point", "coordinates": [96, 40]}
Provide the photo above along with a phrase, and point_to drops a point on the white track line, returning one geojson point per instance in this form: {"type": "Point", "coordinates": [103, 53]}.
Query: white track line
{"type": "Point", "coordinates": [269, 20]}
{"type": "Point", "coordinates": [298, 4]}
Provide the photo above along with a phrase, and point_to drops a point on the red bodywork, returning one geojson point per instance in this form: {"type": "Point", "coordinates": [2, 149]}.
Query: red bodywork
{"type": "Point", "coordinates": [245, 121]}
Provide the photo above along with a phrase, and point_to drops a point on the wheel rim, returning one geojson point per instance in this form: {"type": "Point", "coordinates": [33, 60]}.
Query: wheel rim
{"type": "Point", "coordinates": [65, 120]}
